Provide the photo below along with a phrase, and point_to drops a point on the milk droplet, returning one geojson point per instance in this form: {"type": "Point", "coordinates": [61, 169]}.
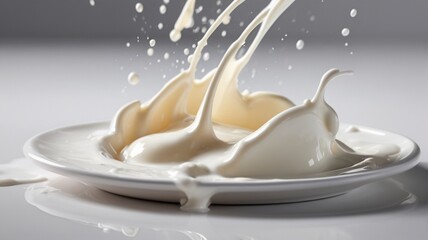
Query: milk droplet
{"type": "Point", "coordinates": [133, 78]}
{"type": "Point", "coordinates": [204, 19]}
{"type": "Point", "coordinates": [128, 44]}
{"type": "Point", "coordinates": [150, 51]}
{"type": "Point", "coordinates": [289, 67]}
{"type": "Point", "coordinates": [199, 9]}
{"type": "Point", "coordinates": [253, 73]}
{"type": "Point", "coordinates": [152, 42]}
{"type": "Point", "coordinates": [189, 59]}
{"type": "Point", "coordinates": [166, 56]}
{"type": "Point", "coordinates": [160, 26]}
{"type": "Point", "coordinates": [186, 51]}
{"type": "Point", "coordinates": [206, 56]}
{"type": "Point", "coordinates": [345, 32]}
{"type": "Point", "coordinates": [139, 7]}
{"type": "Point", "coordinates": [300, 44]}
{"type": "Point", "coordinates": [353, 13]}
{"type": "Point", "coordinates": [162, 9]}
{"type": "Point", "coordinates": [166, 1]}
{"type": "Point", "coordinates": [223, 33]}
{"type": "Point", "coordinates": [241, 24]}
{"type": "Point", "coordinates": [92, 2]}
{"type": "Point", "coordinates": [312, 18]}
{"type": "Point", "coordinates": [346, 44]}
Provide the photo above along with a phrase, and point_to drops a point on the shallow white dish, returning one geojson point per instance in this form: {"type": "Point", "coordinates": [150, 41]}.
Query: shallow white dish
{"type": "Point", "coordinates": [78, 152]}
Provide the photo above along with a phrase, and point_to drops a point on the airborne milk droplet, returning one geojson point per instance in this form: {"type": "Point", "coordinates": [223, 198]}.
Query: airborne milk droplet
{"type": "Point", "coordinates": [189, 58]}
{"type": "Point", "coordinates": [139, 7]}
{"type": "Point", "coordinates": [92, 2]}
{"type": "Point", "coordinates": [353, 13]}
{"type": "Point", "coordinates": [133, 78]}
{"type": "Point", "coordinates": [186, 51]}
{"type": "Point", "coordinates": [253, 73]}
{"type": "Point", "coordinates": [300, 44]}
{"type": "Point", "coordinates": [345, 32]}
{"type": "Point", "coordinates": [162, 9]}
{"type": "Point", "coordinates": [199, 9]}
{"type": "Point", "coordinates": [150, 52]}
{"type": "Point", "coordinates": [152, 42]}
{"type": "Point", "coordinates": [206, 56]}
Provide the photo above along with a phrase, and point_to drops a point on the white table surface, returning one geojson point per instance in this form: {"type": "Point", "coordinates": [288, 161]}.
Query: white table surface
{"type": "Point", "coordinates": [45, 85]}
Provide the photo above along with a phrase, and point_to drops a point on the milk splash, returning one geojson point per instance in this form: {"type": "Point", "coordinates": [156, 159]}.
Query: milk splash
{"type": "Point", "coordinates": [208, 129]}
{"type": "Point", "coordinates": [185, 20]}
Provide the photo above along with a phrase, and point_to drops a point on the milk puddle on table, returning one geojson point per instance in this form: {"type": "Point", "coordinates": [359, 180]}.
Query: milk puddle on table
{"type": "Point", "coordinates": [21, 171]}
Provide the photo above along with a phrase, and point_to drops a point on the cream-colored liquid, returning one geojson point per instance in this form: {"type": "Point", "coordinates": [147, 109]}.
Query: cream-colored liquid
{"type": "Point", "coordinates": [208, 128]}
{"type": "Point", "coordinates": [185, 20]}
{"type": "Point", "coordinates": [198, 131]}
{"type": "Point", "coordinates": [21, 171]}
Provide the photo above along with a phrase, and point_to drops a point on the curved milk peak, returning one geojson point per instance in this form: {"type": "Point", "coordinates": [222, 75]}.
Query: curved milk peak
{"type": "Point", "coordinates": [208, 129]}
{"type": "Point", "coordinates": [296, 142]}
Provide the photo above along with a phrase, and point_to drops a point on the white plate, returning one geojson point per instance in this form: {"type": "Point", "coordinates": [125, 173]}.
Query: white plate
{"type": "Point", "coordinates": [78, 152]}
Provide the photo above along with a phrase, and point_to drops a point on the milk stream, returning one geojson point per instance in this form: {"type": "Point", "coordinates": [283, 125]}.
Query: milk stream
{"type": "Point", "coordinates": [207, 127]}
{"type": "Point", "coordinates": [185, 20]}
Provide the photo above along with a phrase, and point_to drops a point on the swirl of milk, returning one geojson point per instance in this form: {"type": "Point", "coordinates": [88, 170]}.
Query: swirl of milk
{"type": "Point", "coordinates": [192, 120]}
{"type": "Point", "coordinates": [203, 127]}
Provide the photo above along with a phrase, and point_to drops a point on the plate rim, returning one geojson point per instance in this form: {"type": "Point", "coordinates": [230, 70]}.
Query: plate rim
{"type": "Point", "coordinates": [404, 164]}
